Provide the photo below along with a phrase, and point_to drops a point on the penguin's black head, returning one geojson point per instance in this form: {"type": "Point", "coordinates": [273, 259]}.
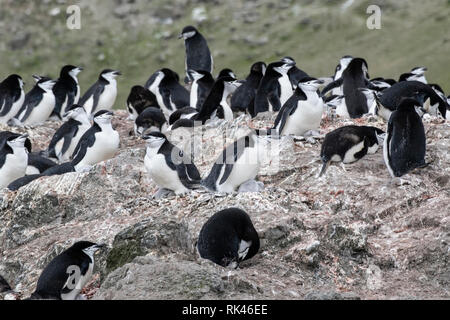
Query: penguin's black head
{"type": "Point", "coordinates": [288, 60]}
{"type": "Point", "coordinates": [154, 139]}
{"type": "Point", "coordinates": [280, 67]}
{"type": "Point", "coordinates": [183, 123]}
{"type": "Point", "coordinates": [258, 67]}
{"type": "Point", "coordinates": [188, 32]}
{"type": "Point", "coordinates": [419, 70]}
{"type": "Point", "coordinates": [46, 83]}
{"type": "Point", "coordinates": [139, 99]}
{"type": "Point", "coordinates": [87, 247]}
{"type": "Point", "coordinates": [170, 75]}
{"type": "Point", "coordinates": [6, 136]}
{"type": "Point", "coordinates": [70, 70]}
{"type": "Point", "coordinates": [408, 104]}
{"type": "Point", "coordinates": [109, 74]}
{"type": "Point", "coordinates": [358, 65]}
{"type": "Point", "coordinates": [73, 111]}
{"type": "Point", "coordinates": [197, 74]}
{"type": "Point", "coordinates": [227, 72]}
{"type": "Point", "coordinates": [103, 116]}
{"type": "Point", "coordinates": [14, 80]}
{"type": "Point", "coordinates": [17, 141]}
{"type": "Point", "coordinates": [309, 84]}
{"type": "Point", "coordinates": [150, 117]}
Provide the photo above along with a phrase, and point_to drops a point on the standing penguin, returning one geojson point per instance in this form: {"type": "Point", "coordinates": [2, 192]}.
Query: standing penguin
{"type": "Point", "coordinates": [198, 56]}
{"type": "Point", "coordinates": [202, 84]}
{"type": "Point", "coordinates": [405, 142]}
{"type": "Point", "coordinates": [349, 144]}
{"type": "Point", "coordinates": [66, 275]}
{"type": "Point", "coordinates": [353, 78]}
{"type": "Point", "coordinates": [138, 100]}
{"type": "Point", "coordinates": [167, 165]}
{"type": "Point", "coordinates": [274, 89]}
{"type": "Point", "coordinates": [340, 68]}
{"type": "Point", "coordinates": [38, 105]}
{"type": "Point", "coordinates": [216, 104]}
{"type": "Point", "coordinates": [239, 163]}
{"type": "Point", "coordinates": [66, 90]}
{"type": "Point", "coordinates": [303, 111]}
{"type": "Point", "coordinates": [98, 144]}
{"type": "Point", "coordinates": [102, 94]}
{"type": "Point", "coordinates": [295, 74]}
{"type": "Point", "coordinates": [13, 159]}
{"type": "Point", "coordinates": [151, 119]}
{"type": "Point", "coordinates": [170, 94]}
{"type": "Point", "coordinates": [66, 138]}
{"type": "Point", "coordinates": [228, 238]}
{"type": "Point", "coordinates": [243, 99]}
{"type": "Point", "coordinates": [12, 97]}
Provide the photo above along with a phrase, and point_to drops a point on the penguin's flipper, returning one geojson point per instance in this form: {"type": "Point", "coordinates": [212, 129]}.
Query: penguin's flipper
{"type": "Point", "coordinates": [274, 100]}
{"type": "Point", "coordinates": [28, 106]}
{"type": "Point", "coordinates": [64, 132]}
{"type": "Point", "coordinates": [23, 181]}
{"type": "Point", "coordinates": [6, 103]}
{"type": "Point", "coordinates": [332, 85]}
{"type": "Point", "coordinates": [166, 98]}
{"type": "Point", "coordinates": [86, 141]}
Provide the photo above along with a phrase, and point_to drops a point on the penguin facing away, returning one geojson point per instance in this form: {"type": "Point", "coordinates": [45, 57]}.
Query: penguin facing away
{"type": "Point", "coordinates": [12, 97]}
{"type": "Point", "coordinates": [303, 111]}
{"type": "Point", "coordinates": [243, 99]}
{"type": "Point", "coordinates": [97, 144]}
{"type": "Point", "coordinates": [405, 143]}
{"type": "Point", "coordinates": [168, 166]}
{"type": "Point", "coordinates": [198, 55]}
{"type": "Point", "coordinates": [138, 100]}
{"type": "Point", "coordinates": [13, 159]}
{"type": "Point", "coordinates": [102, 94]}
{"type": "Point", "coordinates": [66, 90]}
{"type": "Point", "coordinates": [151, 119]}
{"type": "Point", "coordinates": [348, 144]}
{"type": "Point", "coordinates": [228, 238]}
{"type": "Point", "coordinates": [38, 105]}
{"type": "Point", "coordinates": [66, 275]}
{"type": "Point", "coordinates": [66, 138]}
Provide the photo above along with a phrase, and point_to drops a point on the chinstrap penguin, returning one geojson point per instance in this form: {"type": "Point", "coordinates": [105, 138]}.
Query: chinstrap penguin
{"type": "Point", "coordinates": [13, 159]}
{"type": "Point", "coordinates": [151, 119]}
{"type": "Point", "coordinates": [12, 97]}
{"type": "Point", "coordinates": [66, 90]}
{"type": "Point", "coordinates": [138, 100]}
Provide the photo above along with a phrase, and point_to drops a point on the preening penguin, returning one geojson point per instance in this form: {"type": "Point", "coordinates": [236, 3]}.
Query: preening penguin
{"type": "Point", "coordinates": [12, 97]}
{"type": "Point", "coordinates": [295, 74]}
{"type": "Point", "coordinates": [228, 238]}
{"type": "Point", "coordinates": [66, 138]}
{"type": "Point", "coordinates": [243, 99]}
{"type": "Point", "coordinates": [13, 159]}
{"type": "Point", "coordinates": [303, 111]}
{"type": "Point", "coordinates": [102, 94]}
{"type": "Point", "coordinates": [66, 275]}
{"type": "Point", "coordinates": [239, 163]}
{"type": "Point", "coordinates": [349, 144]}
{"type": "Point", "coordinates": [66, 90]}
{"type": "Point", "coordinates": [97, 144]}
{"type": "Point", "coordinates": [168, 166]}
{"type": "Point", "coordinates": [170, 94]}
{"type": "Point", "coordinates": [151, 119]}
{"type": "Point", "coordinates": [202, 83]}
{"type": "Point", "coordinates": [138, 100]}
{"type": "Point", "coordinates": [405, 142]}
{"type": "Point", "coordinates": [37, 164]}
{"type": "Point", "coordinates": [274, 89]}
{"type": "Point", "coordinates": [198, 56]}
{"type": "Point", "coordinates": [38, 105]}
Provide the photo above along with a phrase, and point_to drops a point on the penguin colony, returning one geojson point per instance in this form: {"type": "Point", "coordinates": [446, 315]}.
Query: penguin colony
{"type": "Point", "coordinates": [87, 137]}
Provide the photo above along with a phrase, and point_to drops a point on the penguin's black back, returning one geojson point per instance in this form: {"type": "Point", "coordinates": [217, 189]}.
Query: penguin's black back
{"type": "Point", "coordinates": [149, 116]}
{"type": "Point", "coordinates": [353, 79]}
{"type": "Point", "coordinates": [243, 98]}
{"type": "Point", "coordinates": [39, 162]}
{"type": "Point", "coordinates": [141, 98]}
{"type": "Point", "coordinates": [198, 55]}
{"type": "Point", "coordinates": [221, 235]}
{"type": "Point", "coordinates": [67, 131]}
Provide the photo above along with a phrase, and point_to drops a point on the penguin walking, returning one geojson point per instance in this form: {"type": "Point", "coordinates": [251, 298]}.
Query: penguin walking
{"type": "Point", "coordinates": [66, 138]}
{"type": "Point", "coordinates": [168, 166]}
{"type": "Point", "coordinates": [198, 56]}
{"type": "Point", "coordinates": [239, 163]}
{"type": "Point", "coordinates": [202, 83]}
{"type": "Point", "coordinates": [12, 97]}
{"type": "Point", "coordinates": [405, 143]}
{"type": "Point", "coordinates": [349, 144]}
{"type": "Point", "coordinates": [243, 99]}
{"type": "Point", "coordinates": [102, 94]}
{"type": "Point", "coordinates": [66, 275]}
{"type": "Point", "coordinates": [138, 100]}
{"type": "Point", "coordinates": [66, 90]}
{"type": "Point", "coordinates": [303, 111]}
{"type": "Point", "coordinates": [97, 144]}
{"type": "Point", "coordinates": [340, 68]}
{"type": "Point", "coordinates": [13, 159]}
{"type": "Point", "coordinates": [170, 94]}
{"type": "Point", "coordinates": [274, 89]}
{"type": "Point", "coordinates": [38, 105]}
{"type": "Point", "coordinates": [228, 238]}
{"type": "Point", "coordinates": [295, 74]}
{"type": "Point", "coordinates": [353, 78]}
{"type": "Point", "coordinates": [151, 119]}
{"type": "Point", "coordinates": [216, 104]}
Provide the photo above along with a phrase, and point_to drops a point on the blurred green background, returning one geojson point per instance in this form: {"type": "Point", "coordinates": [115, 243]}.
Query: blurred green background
{"type": "Point", "coordinates": [138, 37]}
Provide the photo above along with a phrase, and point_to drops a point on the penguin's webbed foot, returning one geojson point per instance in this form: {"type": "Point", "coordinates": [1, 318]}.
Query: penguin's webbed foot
{"type": "Point", "coordinates": [251, 186]}
{"type": "Point", "coordinates": [163, 193]}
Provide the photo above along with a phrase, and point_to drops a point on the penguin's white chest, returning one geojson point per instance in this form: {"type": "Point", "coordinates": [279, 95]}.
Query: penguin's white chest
{"type": "Point", "coordinates": [244, 169]}
{"type": "Point", "coordinates": [161, 174]}
{"type": "Point", "coordinates": [43, 110]}
{"type": "Point", "coordinates": [108, 97]}
{"type": "Point", "coordinates": [105, 146]}
{"type": "Point", "coordinates": [14, 109]}
{"type": "Point", "coordinates": [349, 156]}
{"type": "Point", "coordinates": [285, 88]}
{"type": "Point", "coordinates": [194, 94]}
{"type": "Point", "coordinates": [14, 167]}
{"type": "Point", "coordinates": [342, 111]}
{"type": "Point", "coordinates": [79, 285]}
{"type": "Point", "coordinates": [227, 112]}
{"type": "Point", "coordinates": [306, 117]}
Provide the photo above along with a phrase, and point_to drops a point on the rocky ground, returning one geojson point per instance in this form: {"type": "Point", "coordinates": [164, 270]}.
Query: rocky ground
{"type": "Point", "coordinates": [353, 234]}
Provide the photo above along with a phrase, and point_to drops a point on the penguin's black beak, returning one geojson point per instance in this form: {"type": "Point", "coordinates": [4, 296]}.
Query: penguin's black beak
{"type": "Point", "coordinates": [101, 245]}
{"type": "Point", "coordinates": [180, 36]}
{"type": "Point", "coordinates": [117, 73]}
